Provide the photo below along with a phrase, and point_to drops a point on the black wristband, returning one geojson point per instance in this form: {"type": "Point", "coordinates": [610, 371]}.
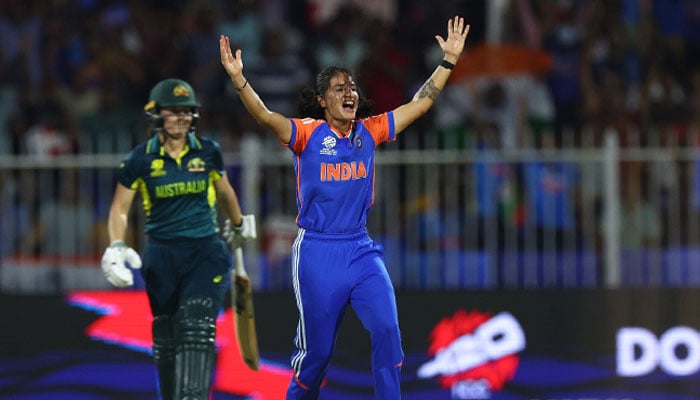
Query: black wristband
{"type": "Point", "coordinates": [242, 87]}
{"type": "Point", "coordinates": [446, 64]}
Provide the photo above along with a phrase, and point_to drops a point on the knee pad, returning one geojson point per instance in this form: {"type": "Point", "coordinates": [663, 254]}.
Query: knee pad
{"type": "Point", "coordinates": [195, 332]}
{"type": "Point", "coordinates": [196, 322]}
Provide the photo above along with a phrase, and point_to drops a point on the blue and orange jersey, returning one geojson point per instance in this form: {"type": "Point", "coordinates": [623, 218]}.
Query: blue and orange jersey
{"type": "Point", "coordinates": [178, 195]}
{"type": "Point", "coordinates": [335, 172]}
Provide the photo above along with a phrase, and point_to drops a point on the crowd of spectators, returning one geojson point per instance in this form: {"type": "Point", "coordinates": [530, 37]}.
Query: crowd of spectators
{"type": "Point", "coordinates": [74, 74]}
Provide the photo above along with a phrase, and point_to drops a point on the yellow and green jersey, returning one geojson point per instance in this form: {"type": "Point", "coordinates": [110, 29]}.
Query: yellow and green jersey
{"type": "Point", "coordinates": [178, 194]}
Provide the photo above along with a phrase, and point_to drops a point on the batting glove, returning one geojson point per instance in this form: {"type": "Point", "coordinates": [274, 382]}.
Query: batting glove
{"type": "Point", "coordinates": [237, 234]}
{"type": "Point", "coordinates": [114, 262]}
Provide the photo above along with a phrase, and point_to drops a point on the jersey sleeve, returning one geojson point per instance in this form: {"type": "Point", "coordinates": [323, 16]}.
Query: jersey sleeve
{"type": "Point", "coordinates": [129, 171]}
{"type": "Point", "coordinates": [381, 127]}
{"type": "Point", "coordinates": [217, 160]}
{"type": "Point", "coordinates": [301, 132]}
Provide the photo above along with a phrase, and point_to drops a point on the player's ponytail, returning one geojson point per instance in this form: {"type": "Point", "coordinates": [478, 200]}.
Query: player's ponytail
{"type": "Point", "coordinates": [308, 106]}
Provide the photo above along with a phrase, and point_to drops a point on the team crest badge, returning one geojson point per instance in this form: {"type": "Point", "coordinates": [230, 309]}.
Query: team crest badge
{"type": "Point", "coordinates": [329, 143]}
{"type": "Point", "coordinates": [180, 90]}
{"type": "Point", "coordinates": [157, 168]}
{"type": "Point", "coordinates": [196, 165]}
{"type": "Point", "coordinates": [358, 142]}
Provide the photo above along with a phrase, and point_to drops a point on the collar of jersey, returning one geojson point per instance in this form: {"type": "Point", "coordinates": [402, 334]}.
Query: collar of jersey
{"type": "Point", "coordinates": [341, 135]}
{"type": "Point", "coordinates": [155, 146]}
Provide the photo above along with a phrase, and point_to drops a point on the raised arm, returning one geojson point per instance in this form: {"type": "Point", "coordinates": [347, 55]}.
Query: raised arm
{"type": "Point", "coordinates": [425, 97]}
{"type": "Point", "coordinates": [233, 64]}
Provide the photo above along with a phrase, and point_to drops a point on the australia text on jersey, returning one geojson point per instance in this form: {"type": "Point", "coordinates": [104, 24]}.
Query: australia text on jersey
{"type": "Point", "coordinates": [180, 188]}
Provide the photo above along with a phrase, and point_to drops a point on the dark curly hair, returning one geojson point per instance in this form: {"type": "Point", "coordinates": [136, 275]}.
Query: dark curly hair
{"type": "Point", "coordinates": [308, 106]}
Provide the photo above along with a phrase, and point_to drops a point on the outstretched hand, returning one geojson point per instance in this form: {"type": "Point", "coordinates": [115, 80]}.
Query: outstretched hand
{"type": "Point", "coordinates": [233, 64]}
{"type": "Point", "coordinates": [456, 36]}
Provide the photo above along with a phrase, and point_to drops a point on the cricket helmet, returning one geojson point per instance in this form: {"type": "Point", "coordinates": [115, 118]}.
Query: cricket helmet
{"type": "Point", "coordinates": [170, 93]}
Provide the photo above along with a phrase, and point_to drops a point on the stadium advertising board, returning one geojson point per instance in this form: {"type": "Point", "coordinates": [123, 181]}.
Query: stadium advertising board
{"type": "Point", "coordinates": [467, 345]}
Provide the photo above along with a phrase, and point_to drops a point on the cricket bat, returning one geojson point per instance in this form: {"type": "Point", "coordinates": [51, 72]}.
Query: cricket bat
{"type": "Point", "coordinates": [242, 303]}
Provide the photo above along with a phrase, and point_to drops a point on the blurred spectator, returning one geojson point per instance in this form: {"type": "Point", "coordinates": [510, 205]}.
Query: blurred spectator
{"type": "Point", "coordinates": [439, 220]}
{"type": "Point", "coordinates": [48, 135]}
{"type": "Point", "coordinates": [80, 96]}
{"type": "Point", "coordinates": [66, 221]}
{"type": "Point", "coordinates": [279, 234]}
{"type": "Point", "coordinates": [322, 11]}
{"type": "Point", "coordinates": [670, 30]}
{"type": "Point", "coordinates": [454, 119]}
{"type": "Point", "coordinates": [563, 39]}
{"type": "Point", "coordinates": [20, 42]}
{"type": "Point", "coordinates": [344, 44]}
{"type": "Point", "coordinates": [640, 221]}
{"type": "Point", "coordinates": [608, 111]}
{"type": "Point", "coordinates": [495, 190]}
{"type": "Point", "coordinates": [422, 215]}
{"type": "Point", "coordinates": [640, 230]}
{"type": "Point", "coordinates": [499, 102]}
{"type": "Point", "coordinates": [111, 128]}
{"type": "Point", "coordinates": [203, 64]}
{"type": "Point", "coordinates": [551, 194]}
{"type": "Point", "coordinates": [241, 22]}
{"type": "Point", "coordinates": [9, 104]}
{"type": "Point", "coordinates": [67, 33]}
{"type": "Point", "coordinates": [664, 95]}
{"type": "Point", "coordinates": [694, 166]}
{"type": "Point", "coordinates": [382, 72]}
{"type": "Point", "coordinates": [538, 113]}
{"type": "Point", "coordinates": [691, 12]}
{"type": "Point", "coordinates": [158, 25]}
{"type": "Point", "coordinates": [278, 73]}
{"type": "Point", "coordinates": [15, 214]}
{"type": "Point", "coordinates": [605, 78]}
{"type": "Point", "coordinates": [534, 96]}
{"type": "Point", "coordinates": [117, 52]}
{"type": "Point", "coordinates": [637, 24]}
{"type": "Point", "coordinates": [220, 124]}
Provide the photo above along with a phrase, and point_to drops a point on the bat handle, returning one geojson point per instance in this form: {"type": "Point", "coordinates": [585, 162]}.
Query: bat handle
{"type": "Point", "coordinates": [238, 260]}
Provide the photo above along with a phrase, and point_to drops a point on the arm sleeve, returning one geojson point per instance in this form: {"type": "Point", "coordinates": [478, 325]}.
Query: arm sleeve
{"type": "Point", "coordinates": [301, 132]}
{"type": "Point", "coordinates": [128, 172]}
{"type": "Point", "coordinates": [217, 160]}
{"type": "Point", "coordinates": [381, 127]}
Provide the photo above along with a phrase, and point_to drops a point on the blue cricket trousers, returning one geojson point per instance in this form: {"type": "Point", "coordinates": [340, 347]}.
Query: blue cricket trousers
{"type": "Point", "coordinates": [329, 271]}
{"type": "Point", "coordinates": [178, 269]}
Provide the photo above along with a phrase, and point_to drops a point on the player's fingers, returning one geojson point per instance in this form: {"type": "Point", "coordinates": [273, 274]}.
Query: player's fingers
{"type": "Point", "coordinates": [123, 276]}
{"type": "Point", "coordinates": [116, 282]}
{"type": "Point", "coordinates": [120, 276]}
{"type": "Point", "coordinates": [112, 281]}
{"type": "Point", "coordinates": [440, 40]}
{"type": "Point", "coordinates": [133, 258]}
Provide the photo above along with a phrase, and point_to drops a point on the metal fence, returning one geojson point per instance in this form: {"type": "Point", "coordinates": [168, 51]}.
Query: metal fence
{"type": "Point", "coordinates": [448, 219]}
